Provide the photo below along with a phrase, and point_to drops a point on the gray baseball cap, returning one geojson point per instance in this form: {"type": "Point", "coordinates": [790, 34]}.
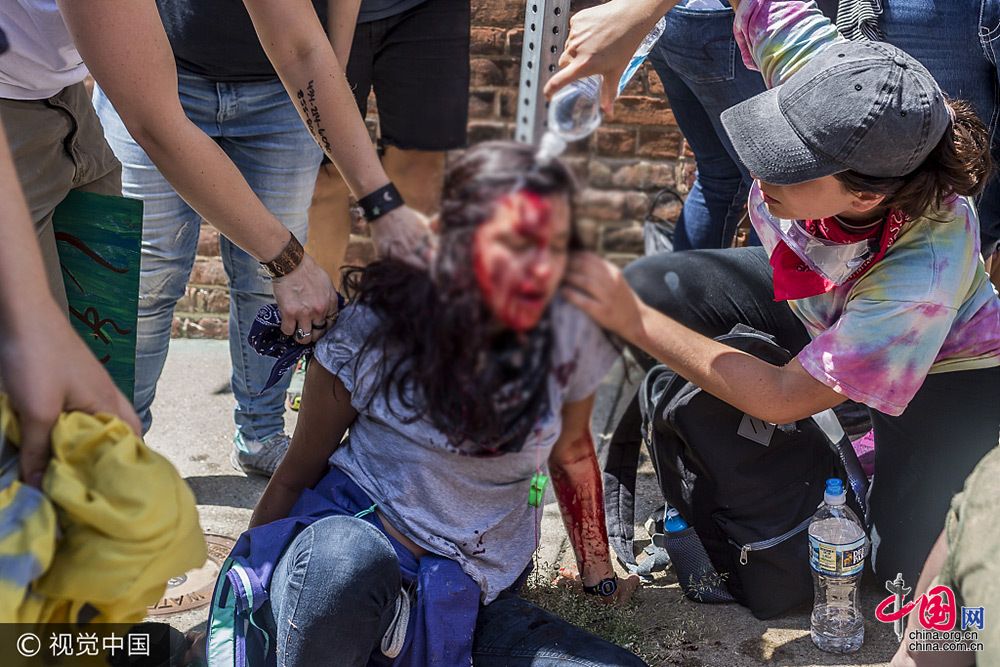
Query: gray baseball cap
{"type": "Point", "coordinates": [863, 106]}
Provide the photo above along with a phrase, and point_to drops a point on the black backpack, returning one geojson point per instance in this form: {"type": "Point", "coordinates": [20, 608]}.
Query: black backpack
{"type": "Point", "coordinates": [747, 489]}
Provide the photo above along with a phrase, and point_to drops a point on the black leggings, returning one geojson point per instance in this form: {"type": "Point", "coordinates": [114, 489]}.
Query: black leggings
{"type": "Point", "coordinates": [922, 457]}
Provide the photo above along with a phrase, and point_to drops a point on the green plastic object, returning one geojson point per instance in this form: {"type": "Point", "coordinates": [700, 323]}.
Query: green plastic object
{"type": "Point", "coordinates": [98, 238]}
{"type": "Point", "coordinates": [537, 490]}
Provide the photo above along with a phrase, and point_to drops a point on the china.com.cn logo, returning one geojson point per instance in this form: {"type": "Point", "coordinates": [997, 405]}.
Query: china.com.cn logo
{"type": "Point", "coordinates": [936, 611]}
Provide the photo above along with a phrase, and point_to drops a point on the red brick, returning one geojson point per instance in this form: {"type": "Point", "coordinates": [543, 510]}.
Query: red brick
{"type": "Point", "coordinates": [653, 84]}
{"type": "Point", "coordinates": [188, 302]}
{"type": "Point", "coordinates": [488, 41]}
{"type": "Point", "coordinates": [623, 240]}
{"type": "Point", "coordinates": [637, 86]}
{"type": "Point", "coordinates": [215, 300]}
{"type": "Point", "coordinates": [515, 41]}
{"type": "Point", "coordinates": [637, 204]}
{"type": "Point", "coordinates": [360, 251]}
{"type": "Point", "coordinates": [599, 174]}
{"type": "Point", "coordinates": [601, 204]}
{"type": "Point", "coordinates": [588, 231]}
{"type": "Point", "coordinates": [208, 241]}
{"type": "Point", "coordinates": [497, 12]}
{"type": "Point", "coordinates": [177, 328]}
{"type": "Point", "coordinates": [668, 209]}
{"type": "Point", "coordinates": [481, 103]}
{"type": "Point", "coordinates": [631, 176]}
{"type": "Point", "coordinates": [485, 73]}
{"type": "Point", "coordinates": [621, 260]}
{"type": "Point", "coordinates": [209, 327]}
{"type": "Point", "coordinates": [613, 141]}
{"type": "Point", "coordinates": [508, 104]}
{"type": "Point", "coordinates": [208, 272]}
{"type": "Point", "coordinates": [643, 176]}
{"type": "Point", "coordinates": [511, 68]}
{"type": "Point", "coordinates": [689, 173]}
{"type": "Point", "coordinates": [643, 111]}
{"type": "Point", "coordinates": [687, 149]}
{"type": "Point", "coordinates": [578, 165]}
{"type": "Point", "coordinates": [659, 143]}
{"type": "Point", "coordinates": [483, 131]}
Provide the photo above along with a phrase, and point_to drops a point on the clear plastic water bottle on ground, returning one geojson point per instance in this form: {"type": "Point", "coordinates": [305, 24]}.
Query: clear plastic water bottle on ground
{"type": "Point", "coordinates": [575, 111]}
{"type": "Point", "coordinates": [837, 550]}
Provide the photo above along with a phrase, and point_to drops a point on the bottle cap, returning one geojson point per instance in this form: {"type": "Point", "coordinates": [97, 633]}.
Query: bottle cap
{"type": "Point", "coordinates": [834, 494]}
{"type": "Point", "coordinates": [552, 146]}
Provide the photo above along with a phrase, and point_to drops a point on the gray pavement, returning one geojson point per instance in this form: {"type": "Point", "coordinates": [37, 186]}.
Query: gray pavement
{"type": "Point", "coordinates": [193, 427]}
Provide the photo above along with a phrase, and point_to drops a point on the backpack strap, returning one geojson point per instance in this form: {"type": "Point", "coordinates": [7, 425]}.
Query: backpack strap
{"type": "Point", "coordinates": [619, 481]}
{"type": "Point", "coordinates": [841, 445]}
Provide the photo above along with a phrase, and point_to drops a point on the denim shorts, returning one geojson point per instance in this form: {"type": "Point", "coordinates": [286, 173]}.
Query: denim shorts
{"type": "Point", "coordinates": [417, 62]}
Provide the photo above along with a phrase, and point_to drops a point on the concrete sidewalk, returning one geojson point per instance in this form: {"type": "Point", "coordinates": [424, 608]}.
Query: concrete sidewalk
{"type": "Point", "coordinates": [193, 427]}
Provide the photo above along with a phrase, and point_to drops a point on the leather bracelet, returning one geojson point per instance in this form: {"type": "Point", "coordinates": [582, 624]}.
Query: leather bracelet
{"type": "Point", "coordinates": [604, 587]}
{"type": "Point", "coordinates": [380, 202]}
{"type": "Point", "coordinates": [288, 260]}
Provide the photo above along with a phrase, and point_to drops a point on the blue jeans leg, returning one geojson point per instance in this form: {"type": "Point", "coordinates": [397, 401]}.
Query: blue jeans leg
{"type": "Point", "coordinates": [333, 593]}
{"type": "Point", "coordinates": [703, 74]}
{"type": "Point", "coordinates": [258, 127]}
{"type": "Point", "coordinates": [958, 41]}
{"type": "Point", "coordinates": [281, 164]}
{"type": "Point", "coordinates": [512, 632]}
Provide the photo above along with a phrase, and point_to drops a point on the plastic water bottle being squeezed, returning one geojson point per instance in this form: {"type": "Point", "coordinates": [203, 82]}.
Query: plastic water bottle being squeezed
{"type": "Point", "coordinates": [575, 111]}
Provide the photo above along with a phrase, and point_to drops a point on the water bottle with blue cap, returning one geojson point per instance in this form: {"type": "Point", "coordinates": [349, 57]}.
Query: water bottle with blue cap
{"type": "Point", "coordinates": [837, 550]}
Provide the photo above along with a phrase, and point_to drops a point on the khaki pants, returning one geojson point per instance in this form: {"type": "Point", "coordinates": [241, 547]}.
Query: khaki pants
{"type": "Point", "coordinates": [58, 145]}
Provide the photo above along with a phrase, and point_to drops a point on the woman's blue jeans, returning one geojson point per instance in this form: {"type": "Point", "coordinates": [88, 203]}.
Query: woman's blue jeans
{"type": "Point", "coordinates": [958, 41]}
{"type": "Point", "coordinates": [257, 126]}
{"type": "Point", "coordinates": [699, 63]}
{"type": "Point", "coordinates": [333, 595]}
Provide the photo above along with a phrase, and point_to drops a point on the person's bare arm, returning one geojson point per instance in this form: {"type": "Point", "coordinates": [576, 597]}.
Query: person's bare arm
{"type": "Point", "coordinates": [302, 55]}
{"type": "Point", "coordinates": [324, 416]}
{"type": "Point", "coordinates": [576, 479]}
{"type": "Point", "coordinates": [776, 394]}
{"type": "Point", "coordinates": [126, 49]}
{"type": "Point", "coordinates": [46, 368]}
{"type": "Point", "coordinates": [906, 658]}
{"type": "Point", "coordinates": [602, 39]}
{"type": "Point", "coordinates": [341, 18]}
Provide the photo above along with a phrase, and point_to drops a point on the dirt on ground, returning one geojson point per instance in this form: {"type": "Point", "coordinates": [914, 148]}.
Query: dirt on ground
{"type": "Point", "coordinates": [665, 628]}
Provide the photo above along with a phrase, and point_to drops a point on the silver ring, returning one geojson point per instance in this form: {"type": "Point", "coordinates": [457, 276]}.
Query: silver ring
{"type": "Point", "coordinates": [300, 334]}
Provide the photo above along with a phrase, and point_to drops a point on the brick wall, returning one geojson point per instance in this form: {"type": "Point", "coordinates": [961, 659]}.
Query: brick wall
{"type": "Point", "coordinates": [634, 154]}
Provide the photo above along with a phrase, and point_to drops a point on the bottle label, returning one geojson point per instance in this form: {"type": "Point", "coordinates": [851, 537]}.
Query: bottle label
{"type": "Point", "coordinates": [837, 559]}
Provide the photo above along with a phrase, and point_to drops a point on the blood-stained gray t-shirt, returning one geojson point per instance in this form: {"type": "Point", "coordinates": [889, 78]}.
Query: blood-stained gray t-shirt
{"type": "Point", "coordinates": [473, 510]}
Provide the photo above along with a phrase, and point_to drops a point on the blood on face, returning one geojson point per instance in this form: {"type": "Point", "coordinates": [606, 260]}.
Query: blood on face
{"type": "Point", "coordinates": [519, 256]}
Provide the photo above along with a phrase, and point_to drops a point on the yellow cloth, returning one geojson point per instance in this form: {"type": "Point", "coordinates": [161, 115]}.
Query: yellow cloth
{"type": "Point", "coordinates": [113, 522]}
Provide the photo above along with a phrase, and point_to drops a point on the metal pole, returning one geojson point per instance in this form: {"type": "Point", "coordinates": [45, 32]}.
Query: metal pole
{"type": "Point", "coordinates": [545, 25]}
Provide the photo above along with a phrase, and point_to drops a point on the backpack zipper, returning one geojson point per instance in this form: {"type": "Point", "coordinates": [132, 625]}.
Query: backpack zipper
{"type": "Point", "coordinates": [767, 544]}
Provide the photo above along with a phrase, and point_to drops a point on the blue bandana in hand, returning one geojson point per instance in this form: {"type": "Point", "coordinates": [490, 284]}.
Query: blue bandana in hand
{"type": "Point", "coordinates": [266, 339]}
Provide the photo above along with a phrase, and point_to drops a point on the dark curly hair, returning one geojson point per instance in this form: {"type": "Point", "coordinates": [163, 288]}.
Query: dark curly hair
{"type": "Point", "coordinates": [959, 164]}
{"type": "Point", "coordinates": [436, 335]}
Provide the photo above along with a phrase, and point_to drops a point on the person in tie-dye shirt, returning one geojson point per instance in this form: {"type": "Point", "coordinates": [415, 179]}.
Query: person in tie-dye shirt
{"type": "Point", "coordinates": [870, 273]}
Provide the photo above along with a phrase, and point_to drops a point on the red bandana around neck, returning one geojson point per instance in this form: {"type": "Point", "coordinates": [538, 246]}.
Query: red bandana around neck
{"type": "Point", "coordinates": [793, 279]}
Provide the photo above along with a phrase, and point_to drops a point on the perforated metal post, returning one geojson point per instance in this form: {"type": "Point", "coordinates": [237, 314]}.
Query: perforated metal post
{"type": "Point", "coordinates": [545, 25]}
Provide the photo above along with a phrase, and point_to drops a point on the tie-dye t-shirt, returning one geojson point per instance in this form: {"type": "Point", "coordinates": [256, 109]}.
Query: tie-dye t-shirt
{"type": "Point", "coordinates": [927, 306]}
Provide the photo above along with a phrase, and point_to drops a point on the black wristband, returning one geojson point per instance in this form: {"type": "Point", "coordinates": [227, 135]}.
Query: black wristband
{"type": "Point", "coordinates": [604, 587]}
{"type": "Point", "coordinates": [380, 202]}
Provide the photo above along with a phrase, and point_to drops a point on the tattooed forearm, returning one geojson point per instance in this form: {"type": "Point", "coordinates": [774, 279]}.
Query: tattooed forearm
{"type": "Point", "coordinates": [310, 113]}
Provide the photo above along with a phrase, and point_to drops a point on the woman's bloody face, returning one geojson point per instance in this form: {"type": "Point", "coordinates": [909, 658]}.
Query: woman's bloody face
{"type": "Point", "coordinates": [520, 256]}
